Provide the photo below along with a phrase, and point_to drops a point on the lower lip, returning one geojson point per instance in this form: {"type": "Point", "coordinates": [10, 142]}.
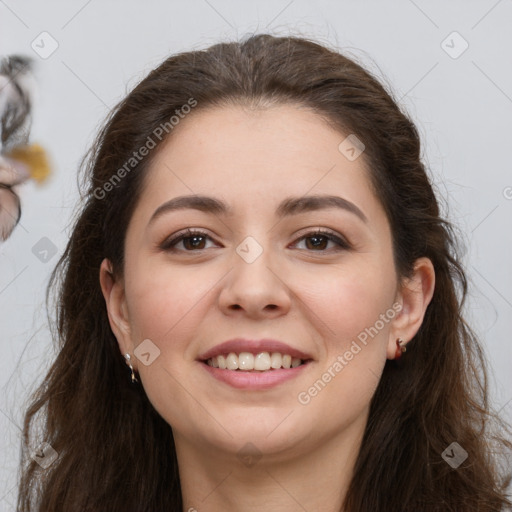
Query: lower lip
{"type": "Point", "coordinates": [255, 379]}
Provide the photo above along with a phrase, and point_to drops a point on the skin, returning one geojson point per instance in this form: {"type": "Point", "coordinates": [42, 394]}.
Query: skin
{"type": "Point", "coordinates": [315, 299]}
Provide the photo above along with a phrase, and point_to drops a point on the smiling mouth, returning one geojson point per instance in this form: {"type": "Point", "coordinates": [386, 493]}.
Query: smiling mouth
{"type": "Point", "coordinates": [259, 362]}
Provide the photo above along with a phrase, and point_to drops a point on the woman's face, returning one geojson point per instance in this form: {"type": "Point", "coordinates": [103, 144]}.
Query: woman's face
{"type": "Point", "coordinates": [250, 274]}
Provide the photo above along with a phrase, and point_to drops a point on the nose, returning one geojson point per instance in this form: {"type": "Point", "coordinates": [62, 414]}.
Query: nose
{"type": "Point", "coordinates": [255, 289]}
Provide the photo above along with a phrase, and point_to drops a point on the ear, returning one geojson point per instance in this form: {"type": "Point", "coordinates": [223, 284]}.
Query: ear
{"type": "Point", "coordinates": [414, 295]}
{"type": "Point", "coordinates": [114, 294]}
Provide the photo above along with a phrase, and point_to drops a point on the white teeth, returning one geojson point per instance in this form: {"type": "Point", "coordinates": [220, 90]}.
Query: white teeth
{"type": "Point", "coordinates": [295, 362]}
{"type": "Point", "coordinates": [232, 361]}
{"type": "Point", "coordinates": [262, 361]}
{"type": "Point", "coordinates": [246, 361]}
{"type": "Point", "coordinates": [276, 360]}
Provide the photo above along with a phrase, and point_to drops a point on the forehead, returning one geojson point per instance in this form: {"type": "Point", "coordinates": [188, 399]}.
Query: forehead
{"type": "Point", "coordinates": [254, 158]}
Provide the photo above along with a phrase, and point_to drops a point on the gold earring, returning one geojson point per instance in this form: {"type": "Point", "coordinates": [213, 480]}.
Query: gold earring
{"type": "Point", "coordinates": [399, 348]}
{"type": "Point", "coordinates": [134, 379]}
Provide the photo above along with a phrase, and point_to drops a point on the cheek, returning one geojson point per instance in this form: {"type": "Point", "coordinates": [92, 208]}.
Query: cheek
{"type": "Point", "coordinates": [347, 301]}
{"type": "Point", "coordinates": [349, 306]}
{"type": "Point", "coordinates": [162, 300]}
{"type": "Point", "coordinates": [166, 306]}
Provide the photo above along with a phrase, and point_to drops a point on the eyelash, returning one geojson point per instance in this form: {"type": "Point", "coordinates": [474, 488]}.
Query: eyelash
{"type": "Point", "coordinates": [169, 244]}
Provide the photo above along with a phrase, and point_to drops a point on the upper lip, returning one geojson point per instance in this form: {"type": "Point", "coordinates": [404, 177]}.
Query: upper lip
{"type": "Point", "coordinates": [238, 345]}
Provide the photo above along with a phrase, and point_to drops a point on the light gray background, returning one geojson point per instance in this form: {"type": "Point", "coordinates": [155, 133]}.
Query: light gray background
{"type": "Point", "coordinates": [462, 107]}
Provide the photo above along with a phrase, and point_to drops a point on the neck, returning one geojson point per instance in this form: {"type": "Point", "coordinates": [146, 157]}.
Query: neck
{"type": "Point", "coordinates": [317, 478]}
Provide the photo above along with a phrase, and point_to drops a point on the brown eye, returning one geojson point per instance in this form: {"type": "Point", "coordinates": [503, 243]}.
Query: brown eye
{"type": "Point", "coordinates": [320, 239]}
{"type": "Point", "coordinates": [192, 240]}
{"type": "Point", "coordinates": [316, 241]}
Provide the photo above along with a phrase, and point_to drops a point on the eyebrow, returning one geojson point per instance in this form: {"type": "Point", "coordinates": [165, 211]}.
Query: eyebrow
{"type": "Point", "coordinates": [289, 206]}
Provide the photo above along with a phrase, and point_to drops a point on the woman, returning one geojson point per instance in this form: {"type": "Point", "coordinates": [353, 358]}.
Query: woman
{"type": "Point", "coordinates": [261, 245]}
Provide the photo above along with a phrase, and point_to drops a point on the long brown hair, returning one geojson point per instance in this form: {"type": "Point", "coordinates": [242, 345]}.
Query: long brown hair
{"type": "Point", "coordinates": [115, 452]}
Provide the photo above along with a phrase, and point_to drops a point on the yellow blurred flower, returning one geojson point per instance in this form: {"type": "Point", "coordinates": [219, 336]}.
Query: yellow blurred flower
{"type": "Point", "coordinates": [35, 158]}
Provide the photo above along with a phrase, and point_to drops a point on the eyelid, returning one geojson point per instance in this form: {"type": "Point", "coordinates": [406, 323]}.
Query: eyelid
{"type": "Point", "coordinates": [340, 240]}
{"type": "Point", "coordinates": [178, 237]}
{"type": "Point", "coordinates": [343, 243]}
